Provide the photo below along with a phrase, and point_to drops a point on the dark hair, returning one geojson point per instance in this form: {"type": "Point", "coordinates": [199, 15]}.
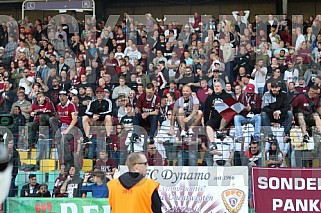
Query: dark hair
{"type": "Point", "coordinates": [32, 176]}
{"type": "Point", "coordinates": [150, 86]}
{"type": "Point", "coordinates": [100, 174]}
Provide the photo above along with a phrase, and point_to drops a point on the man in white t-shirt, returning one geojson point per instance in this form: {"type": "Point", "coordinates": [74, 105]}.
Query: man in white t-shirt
{"type": "Point", "coordinates": [259, 75]}
{"type": "Point", "coordinates": [291, 74]}
{"type": "Point", "coordinates": [26, 81]}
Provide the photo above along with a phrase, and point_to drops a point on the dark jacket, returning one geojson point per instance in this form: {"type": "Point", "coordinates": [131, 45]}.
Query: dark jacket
{"type": "Point", "coordinates": [102, 108]}
{"type": "Point", "coordinates": [271, 103]}
{"type": "Point", "coordinates": [209, 110]}
{"type": "Point", "coordinates": [15, 160]}
{"type": "Point", "coordinates": [26, 188]}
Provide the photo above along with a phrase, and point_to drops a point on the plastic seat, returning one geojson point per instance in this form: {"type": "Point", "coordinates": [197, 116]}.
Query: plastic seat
{"type": "Point", "coordinates": [88, 165]}
{"type": "Point", "coordinates": [33, 153]}
{"type": "Point", "coordinates": [47, 165]}
{"type": "Point", "coordinates": [23, 154]}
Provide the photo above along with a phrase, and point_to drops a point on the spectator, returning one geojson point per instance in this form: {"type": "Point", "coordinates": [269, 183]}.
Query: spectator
{"type": "Point", "coordinates": [250, 113]}
{"type": "Point", "coordinates": [273, 156]}
{"type": "Point", "coordinates": [153, 156]}
{"type": "Point", "coordinates": [60, 181]}
{"type": "Point", "coordinates": [106, 164]}
{"type": "Point", "coordinates": [99, 188]}
{"type": "Point", "coordinates": [30, 189]}
{"type": "Point", "coordinates": [43, 191]}
{"type": "Point", "coordinates": [275, 108]}
{"type": "Point", "coordinates": [186, 110]}
{"type": "Point", "coordinates": [15, 160]}
{"type": "Point", "coordinates": [122, 89]}
{"type": "Point", "coordinates": [99, 113]}
{"type": "Point", "coordinates": [72, 186]}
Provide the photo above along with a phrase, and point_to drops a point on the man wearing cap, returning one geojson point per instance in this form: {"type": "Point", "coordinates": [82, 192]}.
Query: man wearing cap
{"type": "Point", "coordinates": [66, 120]}
{"type": "Point", "coordinates": [276, 108]}
{"type": "Point", "coordinates": [311, 74]}
{"type": "Point", "coordinates": [99, 110]}
{"type": "Point", "coordinates": [250, 114]}
{"type": "Point", "coordinates": [307, 110]}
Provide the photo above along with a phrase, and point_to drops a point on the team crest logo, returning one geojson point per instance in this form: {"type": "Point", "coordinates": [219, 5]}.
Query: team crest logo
{"type": "Point", "coordinates": [233, 200]}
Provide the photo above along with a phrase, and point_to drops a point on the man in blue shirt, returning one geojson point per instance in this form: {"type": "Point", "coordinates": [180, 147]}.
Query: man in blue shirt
{"type": "Point", "coordinates": [99, 188]}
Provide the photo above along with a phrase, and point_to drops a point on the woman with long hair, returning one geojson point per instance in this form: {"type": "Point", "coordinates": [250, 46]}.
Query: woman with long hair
{"type": "Point", "coordinates": [273, 156]}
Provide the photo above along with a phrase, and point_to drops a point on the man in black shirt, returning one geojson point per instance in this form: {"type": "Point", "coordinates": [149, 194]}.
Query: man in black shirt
{"type": "Point", "coordinates": [98, 112]}
{"type": "Point", "coordinates": [212, 118]}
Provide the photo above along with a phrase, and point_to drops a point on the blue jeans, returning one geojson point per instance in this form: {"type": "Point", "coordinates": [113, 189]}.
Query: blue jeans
{"type": "Point", "coordinates": [153, 120]}
{"type": "Point", "coordinates": [240, 120]}
{"type": "Point", "coordinates": [187, 158]}
{"type": "Point", "coordinates": [43, 146]}
{"type": "Point", "coordinates": [287, 119]}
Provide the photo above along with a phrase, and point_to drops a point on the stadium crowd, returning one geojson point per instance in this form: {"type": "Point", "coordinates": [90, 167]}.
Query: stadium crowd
{"type": "Point", "coordinates": [167, 89]}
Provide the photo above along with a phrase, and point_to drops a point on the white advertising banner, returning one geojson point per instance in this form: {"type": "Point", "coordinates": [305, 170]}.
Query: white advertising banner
{"type": "Point", "coordinates": [201, 189]}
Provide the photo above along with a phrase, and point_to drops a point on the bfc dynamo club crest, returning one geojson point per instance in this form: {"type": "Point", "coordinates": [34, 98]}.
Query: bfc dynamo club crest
{"type": "Point", "coordinates": [233, 200]}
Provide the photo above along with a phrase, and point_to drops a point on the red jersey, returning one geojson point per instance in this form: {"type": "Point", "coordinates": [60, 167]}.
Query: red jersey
{"type": "Point", "coordinates": [106, 166]}
{"type": "Point", "coordinates": [46, 107]}
{"type": "Point", "coordinates": [302, 104]}
{"type": "Point", "coordinates": [65, 112]}
{"type": "Point", "coordinates": [148, 105]}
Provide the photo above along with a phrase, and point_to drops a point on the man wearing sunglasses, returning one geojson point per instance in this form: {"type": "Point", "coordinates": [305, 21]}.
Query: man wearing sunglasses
{"type": "Point", "coordinates": [132, 192]}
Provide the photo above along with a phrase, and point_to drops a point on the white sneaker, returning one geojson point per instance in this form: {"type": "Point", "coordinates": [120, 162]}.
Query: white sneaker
{"type": "Point", "coordinates": [183, 133]}
{"type": "Point", "coordinates": [190, 131]}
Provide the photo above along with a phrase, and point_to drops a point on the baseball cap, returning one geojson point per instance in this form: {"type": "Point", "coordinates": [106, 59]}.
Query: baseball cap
{"type": "Point", "coordinates": [74, 91]}
{"type": "Point", "coordinates": [99, 89]}
{"type": "Point", "coordinates": [314, 66]}
{"type": "Point", "coordinates": [250, 88]}
{"type": "Point", "coordinates": [106, 90]}
{"type": "Point", "coordinates": [62, 92]}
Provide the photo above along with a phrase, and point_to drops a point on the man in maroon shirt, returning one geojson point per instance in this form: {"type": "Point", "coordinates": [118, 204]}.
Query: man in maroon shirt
{"type": "Point", "coordinates": [153, 156]}
{"type": "Point", "coordinates": [41, 111]}
{"type": "Point", "coordinates": [147, 109]}
{"type": "Point", "coordinates": [105, 164]}
{"type": "Point", "coordinates": [307, 110]}
{"type": "Point", "coordinates": [66, 120]}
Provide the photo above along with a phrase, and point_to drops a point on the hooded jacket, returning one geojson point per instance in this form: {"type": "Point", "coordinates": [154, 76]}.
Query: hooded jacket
{"type": "Point", "coordinates": [131, 192]}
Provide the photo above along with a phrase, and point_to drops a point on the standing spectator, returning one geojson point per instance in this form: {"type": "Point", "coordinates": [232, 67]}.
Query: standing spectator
{"type": "Point", "coordinates": [15, 160]}
{"type": "Point", "coordinates": [259, 74]}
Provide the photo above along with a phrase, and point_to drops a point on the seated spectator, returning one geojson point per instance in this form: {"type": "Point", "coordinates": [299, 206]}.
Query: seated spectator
{"type": "Point", "coordinates": [250, 114]}
{"type": "Point", "coordinates": [301, 88]}
{"type": "Point", "coordinates": [98, 113]}
{"type": "Point", "coordinates": [275, 108]}
{"type": "Point", "coordinates": [72, 186]}
{"type": "Point", "coordinates": [30, 189]}
{"type": "Point", "coordinates": [273, 156]}
{"type": "Point", "coordinates": [60, 181]}
{"type": "Point", "coordinates": [311, 74]}
{"type": "Point", "coordinates": [41, 111]}
{"type": "Point", "coordinates": [186, 110]}
{"type": "Point", "coordinates": [212, 118]}
{"type": "Point", "coordinates": [122, 89]}
{"type": "Point", "coordinates": [307, 110]}
{"type": "Point", "coordinates": [252, 156]}
{"type": "Point", "coordinates": [172, 88]}
{"type": "Point", "coordinates": [65, 121]}
{"type": "Point", "coordinates": [43, 191]}
{"type": "Point", "coordinates": [106, 164]}
{"type": "Point", "coordinates": [99, 188]}
{"type": "Point", "coordinates": [147, 109]}
{"type": "Point", "coordinates": [25, 106]}
{"type": "Point", "coordinates": [153, 156]}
